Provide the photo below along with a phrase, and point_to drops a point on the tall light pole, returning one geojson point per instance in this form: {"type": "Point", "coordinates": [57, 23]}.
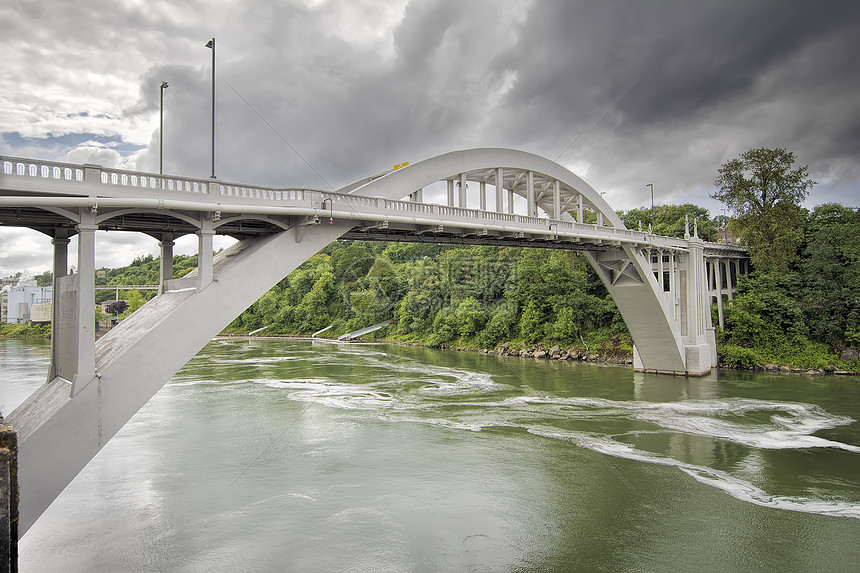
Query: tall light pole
{"type": "Point", "coordinates": [161, 131]}
{"type": "Point", "coordinates": [211, 45]}
{"type": "Point", "coordinates": [651, 185]}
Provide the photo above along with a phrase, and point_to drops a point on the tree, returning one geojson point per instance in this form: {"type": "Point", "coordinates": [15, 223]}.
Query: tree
{"type": "Point", "coordinates": [764, 193]}
{"type": "Point", "coordinates": [45, 279]}
{"type": "Point", "coordinates": [830, 274]}
{"type": "Point", "coordinates": [117, 307]}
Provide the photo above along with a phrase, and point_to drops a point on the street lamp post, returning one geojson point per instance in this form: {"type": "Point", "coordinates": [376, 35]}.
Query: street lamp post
{"type": "Point", "coordinates": [161, 131]}
{"type": "Point", "coordinates": [211, 45]}
{"type": "Point", "coordinates": [651, 185]}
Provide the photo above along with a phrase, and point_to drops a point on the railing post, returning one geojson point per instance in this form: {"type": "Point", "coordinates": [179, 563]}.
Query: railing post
{"type": "Point", "coordinates": [92, 173]}
{"type": "Point", "coordinates": [530, 194]}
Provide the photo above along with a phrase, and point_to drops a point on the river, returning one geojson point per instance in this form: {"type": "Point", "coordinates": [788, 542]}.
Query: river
{"type": "Point", "coordinates": [316, 457]}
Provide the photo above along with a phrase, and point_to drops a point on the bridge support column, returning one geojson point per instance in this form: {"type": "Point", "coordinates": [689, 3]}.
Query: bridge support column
{"type": "Point", "coordinates": [61, 269]}
{"type": "Point", "coordinates": [730, 284]}
{"type": "Point", "coordinates": [556, 199]}
{"type": "Point", "coordinates": [718, 277]}
{"type": "Point", "coordinates": [85, 315]}
{"type": "Point", "coordinates": [698, 350]}
{"type": "Point", "coordinates": [673, 283]}
{"type": "Point", "coordinates": [450, 192]}
{"type": "Point", "coordinates": [579, 208]}
{"type": "Point", "coordinates": [511, 201]}
{"type": "Point", "coordinates": [483, 195]}
{"type": "Point", "coordinates": [166, 266]}
{"type": "Point", "coordinates": [204, 253]}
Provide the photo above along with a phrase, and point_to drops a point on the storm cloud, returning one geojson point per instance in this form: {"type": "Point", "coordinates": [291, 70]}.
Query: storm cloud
{"type": "Point", "coordinates": [322, 92]}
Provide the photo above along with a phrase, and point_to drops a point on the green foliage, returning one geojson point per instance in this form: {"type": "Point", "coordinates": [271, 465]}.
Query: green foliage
{"type": "Point", "coordinates": [499, 328]}
{"type": "Point", "coordinates": [45, 279]}
{"type": "Point", "coordinates": [470, 318]}
{"type": "Point", "coordinates": [740, 357]}
{"type": "Point", "coordinates": [9, 330]}
{"type": "Point", "coordinates": [531, 323]}
{"type": "Point", "coordinates": [763, 315]}
{"type": "Point", "coordinates": [670, 220]}
{"type": "Point", "coordinates": [831, 275]}
{"type": "Point", "coordinates": [764, 192]}
{"type": "Point", "coordinates": [135, 300]}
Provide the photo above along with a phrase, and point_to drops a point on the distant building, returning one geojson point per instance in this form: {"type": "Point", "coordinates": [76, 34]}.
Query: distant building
{"type": "Point", "coordinates": [4, 302]}
{"type": "Point", "coordinates": [21, 300]}
{"type": "Point", "coordinates": [9, 281]}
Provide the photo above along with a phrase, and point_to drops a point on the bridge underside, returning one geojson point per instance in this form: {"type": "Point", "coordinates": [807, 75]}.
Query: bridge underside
{"type": "Point", "coordinates": [154, 224]}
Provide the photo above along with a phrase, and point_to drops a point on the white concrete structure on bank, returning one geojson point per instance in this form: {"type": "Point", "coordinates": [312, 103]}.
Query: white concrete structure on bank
{"type": "Point", "coordinates": [93, 389]}
{"type": "Point", "coordinates": [26, 303]}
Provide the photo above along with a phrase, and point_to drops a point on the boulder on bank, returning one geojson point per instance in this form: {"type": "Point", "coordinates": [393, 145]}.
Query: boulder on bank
{"type": "Point", "coordinates": [540, 354]}
{"type": "Point", "coordinates": [849, 354]}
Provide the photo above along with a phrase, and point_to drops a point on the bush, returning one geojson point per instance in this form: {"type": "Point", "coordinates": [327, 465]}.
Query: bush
{"type": "Point", "coordinates": [500, 327]}
{"type": "Point", "coordinates": [739, 357]}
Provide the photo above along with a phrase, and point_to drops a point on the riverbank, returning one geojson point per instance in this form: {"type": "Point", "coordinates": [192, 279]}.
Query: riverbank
{"type": "Point", "coordinates": [25, 331]}
{"type": "Point", "coordinates": [612, 350]}
{"type": "Point", "coordinates": [616, 355]}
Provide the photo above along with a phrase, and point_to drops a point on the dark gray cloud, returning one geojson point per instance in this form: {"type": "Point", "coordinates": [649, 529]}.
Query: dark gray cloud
{"type": "Point", "coordinates": [622, 92]}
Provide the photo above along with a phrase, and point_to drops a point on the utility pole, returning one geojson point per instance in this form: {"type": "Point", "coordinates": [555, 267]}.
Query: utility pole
{"type": "Point", "coordinates": [161, 132]}
{"type": "Point", "coordinates": [651, 185]}
{"type": "Point", "coordinates": [211, 45]}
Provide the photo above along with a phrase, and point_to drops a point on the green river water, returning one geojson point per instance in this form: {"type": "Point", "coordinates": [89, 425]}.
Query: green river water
{"type": "Point", "coordinates": [316, 457]}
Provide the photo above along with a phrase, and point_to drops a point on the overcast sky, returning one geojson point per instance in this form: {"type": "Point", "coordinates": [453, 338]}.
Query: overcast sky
{"type": "Point", "coordinates": [622, 92]}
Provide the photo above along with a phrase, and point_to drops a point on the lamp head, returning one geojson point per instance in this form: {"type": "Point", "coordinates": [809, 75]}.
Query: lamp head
{"type": "Point", "coordinates": [164, 85]}
{"type": "Point", "coordinates": [211, 44]}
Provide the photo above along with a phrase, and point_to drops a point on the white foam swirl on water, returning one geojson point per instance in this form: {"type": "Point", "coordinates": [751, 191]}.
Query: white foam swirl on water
{"type": "Point", "coordinates": [735, 487]}
{"type": "Point", "coordinates": [758, 424]}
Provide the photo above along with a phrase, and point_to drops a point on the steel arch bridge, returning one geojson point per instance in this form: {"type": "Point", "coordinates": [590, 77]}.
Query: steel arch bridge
{"type": "Point", "coordinates": [662, 286]}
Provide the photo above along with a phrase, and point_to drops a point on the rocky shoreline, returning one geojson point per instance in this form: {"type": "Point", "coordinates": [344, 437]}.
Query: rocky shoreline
{"type": "Point", "coordinates": [555, 353]}
{"type": "Point", "coordinates": [572, 354]}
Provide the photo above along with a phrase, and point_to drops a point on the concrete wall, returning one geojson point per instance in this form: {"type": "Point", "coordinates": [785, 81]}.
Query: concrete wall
{"type": "Point", "coordinates": [8, 499]}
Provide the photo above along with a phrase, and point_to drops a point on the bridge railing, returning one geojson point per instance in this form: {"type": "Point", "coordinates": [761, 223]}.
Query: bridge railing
{"type": "Point", "coordinates": [142, 180]}
{"type": "Point", "coordinates": [44, 169]}
{"type": "Point", "coordinates": [316, 199]}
